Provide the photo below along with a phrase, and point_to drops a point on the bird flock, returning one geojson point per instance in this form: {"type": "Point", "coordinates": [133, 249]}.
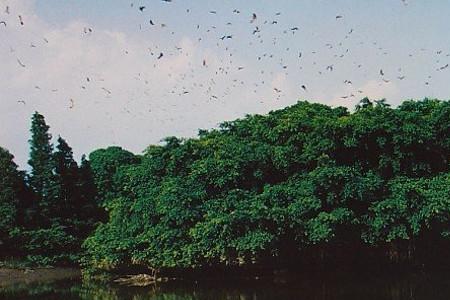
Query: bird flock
{"type": "Point", "coordinates": [271, 47]}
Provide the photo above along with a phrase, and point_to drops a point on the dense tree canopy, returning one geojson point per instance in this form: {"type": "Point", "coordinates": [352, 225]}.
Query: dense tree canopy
{"type": "Point", "coordinates": [305, 185]}
{"type": "Point", "coordinates": [308, 180]}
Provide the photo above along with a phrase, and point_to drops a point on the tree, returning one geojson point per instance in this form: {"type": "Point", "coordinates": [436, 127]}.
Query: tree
{"type": "Point", "coordinates": [66, 175]}
{"type": "Point", "coordinates": [88, 195]}
{"type": "Point", "coordinates": [104, 164]}
{"type": "Point", "coordinates": [308, 183]}
{"type": "Point", "coordinates": [42, 179]}
{"type": "Point", "coordinates": [12, 205]}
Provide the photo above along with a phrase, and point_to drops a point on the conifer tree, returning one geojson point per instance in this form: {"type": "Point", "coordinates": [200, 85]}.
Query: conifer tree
{"type": "Point", "coordinates": [11, 191]}
{"type": "Point", "coordinates": [42, 179]}
{"type": "Point", "coordinates": [66, 175]}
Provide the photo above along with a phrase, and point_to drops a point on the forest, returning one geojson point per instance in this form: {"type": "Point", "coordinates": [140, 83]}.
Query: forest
{"type": "Point", "coordinates": [305, 186]}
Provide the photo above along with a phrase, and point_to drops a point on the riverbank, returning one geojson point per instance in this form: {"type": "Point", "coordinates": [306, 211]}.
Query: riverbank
{"type": "Point", "coordinates": [9, 276]}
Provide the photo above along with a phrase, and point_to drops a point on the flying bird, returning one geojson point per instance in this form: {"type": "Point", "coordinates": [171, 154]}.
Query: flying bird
{"type": "Point", "coordinates": [160, 55]}
{"type": "Point", "coordinates": [381, 72]}
{"type": "Point", "coordinates": [254, 17]}
{"type": "Point", "coordinates": [20, 63]}
{"type": "Point", "coordinates": [303, 87]}
{"type": "Point", "coordinates": [21, 20]}
{"type": "Point", "coordinates": [339, 17]}
{"type": "Point", "coordinates": [141, 8]}
{"type": "Point", "coordinates": [3, 22]}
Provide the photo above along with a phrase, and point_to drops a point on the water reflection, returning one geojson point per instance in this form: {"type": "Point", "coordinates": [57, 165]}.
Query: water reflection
{"type": "Point", "coordinates": [413, 287]}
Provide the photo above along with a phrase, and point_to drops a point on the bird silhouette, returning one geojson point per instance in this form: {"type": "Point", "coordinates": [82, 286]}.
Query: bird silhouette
{"type": "Point", "coordinates": [20, 63]}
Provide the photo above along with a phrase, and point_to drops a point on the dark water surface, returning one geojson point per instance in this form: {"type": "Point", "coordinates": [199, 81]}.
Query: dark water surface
{"type": "Point", "coordinates": [334, 287]}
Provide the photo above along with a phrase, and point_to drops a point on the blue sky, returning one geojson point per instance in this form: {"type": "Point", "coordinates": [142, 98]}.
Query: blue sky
{"type": "Point", "coordinates": [134, 99]}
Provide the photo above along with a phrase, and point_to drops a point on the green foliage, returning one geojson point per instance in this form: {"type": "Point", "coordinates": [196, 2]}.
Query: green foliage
{"type": "Point", "coordinates": [414, 206]}
{"type": "Point", "coordinates": [12, 196]}
{"type": "Point", "coordinates": [269, 188]}
{"type": "Point", "coordinates": [104, 164]}
{"type": "Point", "coordinates": [42, 179]}
{"type": "Point", "coordinates": [45, 219]}
{"type": "Point", "coordinates": [299, 183]}
{"type": "Point", "coordinates": [48, 246]}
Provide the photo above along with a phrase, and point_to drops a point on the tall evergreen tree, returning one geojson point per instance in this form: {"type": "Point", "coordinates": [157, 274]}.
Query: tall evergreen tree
{"type": "Point", "coordinates": [89, 212]}
{"type": "Point", "coordinates": [86, 179]}
{"type": "Point", "coordinates": [42, 164]}
{"type": "Point", "coordinates": [11, 191]}
{"type": "Point", "coordinates": [66, 176]}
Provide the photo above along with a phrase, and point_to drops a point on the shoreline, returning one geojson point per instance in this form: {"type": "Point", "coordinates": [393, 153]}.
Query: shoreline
{"type": "Point", "coordinates": [11, 276]}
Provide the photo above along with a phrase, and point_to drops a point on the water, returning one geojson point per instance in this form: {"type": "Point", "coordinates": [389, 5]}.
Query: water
{"type": "Point", "coordinates": [337, 287]}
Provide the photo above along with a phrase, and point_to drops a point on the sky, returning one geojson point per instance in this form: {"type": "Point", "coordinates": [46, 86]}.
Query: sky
{"type": "Point", "coordinates": [130, 73]}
